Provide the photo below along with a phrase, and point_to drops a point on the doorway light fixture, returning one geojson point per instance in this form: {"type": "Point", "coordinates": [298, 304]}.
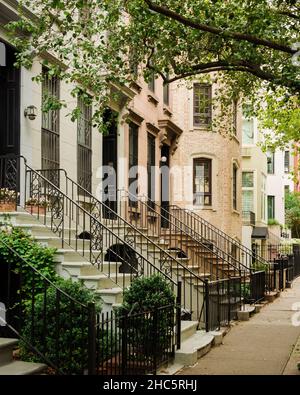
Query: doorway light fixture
{"type": "Point", "coordinates": [30, 112]}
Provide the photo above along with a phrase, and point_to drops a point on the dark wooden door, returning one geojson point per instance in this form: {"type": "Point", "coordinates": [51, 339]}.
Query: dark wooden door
{"type": "Point", "coordinates": [110, 164]}
{"type": "Point", "coordinates": [9, 106]}
{"type": "Point", "coordinates": [9, 121]}
{"type": "Point", "coordinates": [165, 187]}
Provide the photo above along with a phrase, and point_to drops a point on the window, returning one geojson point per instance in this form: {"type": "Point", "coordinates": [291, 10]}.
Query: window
{"type": "Point", "coordinates": [248, 128]}
{"type": "Point", "coordinates": [248, 179]}
{"type": "Point", "coordinates": [234, 116]}
{"type": "Point", "coordinates": [133, 163]}
{"type": "Point", "coordinates": [271, 162]}
{"type": "Point", "coordinates": [234, 186]}
{"type": "Point", "coordinates": [263, 197]}
{"type": "Point", "coordinates": [202, 182]}
{"type": "Point", "coordinates": [50, 127]}
{"type": "Point", "coordinates": [202, 112]}
{"type": "Point", "coordinates": [248, 191]}
{"type": "Point", "coordinates": [271, 207]}
{"type": "Point", "coordinates": [166, 94]}
{"type": "Point", "coordinates": [151, 82]}
{"type": "Point", "coordinates": [247, 201]}
{"type": "Point", "coordinates": [287, 161]}
{"type": "Point", "coordinates": [84, 145]}
{"type": "Point", "coordinates": [151, 167]}
{"type": "Point", "coordinates": [248, 132]}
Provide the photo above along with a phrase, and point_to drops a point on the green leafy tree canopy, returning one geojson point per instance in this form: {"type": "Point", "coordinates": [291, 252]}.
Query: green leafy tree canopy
{"type": "Point", "coordinates": [250, 46]}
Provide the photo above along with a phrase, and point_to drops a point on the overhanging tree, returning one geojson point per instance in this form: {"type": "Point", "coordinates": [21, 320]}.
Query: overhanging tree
{"type": "Point", "coordinates": [248, 46]}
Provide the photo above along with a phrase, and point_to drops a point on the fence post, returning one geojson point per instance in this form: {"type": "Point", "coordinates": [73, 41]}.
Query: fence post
{"type": "Point", "coordinates": [229, 305]}
{"type": "Point", "coordinates": [91, 339]}
{"type": "Point", "coordinates": [178, 315]}
{"type": "Point", "coordinates": [206, 306]}
{"type": "Point", "coordinates": [156, 339]}
{"type": "Point", "coordinates": [124, 344]}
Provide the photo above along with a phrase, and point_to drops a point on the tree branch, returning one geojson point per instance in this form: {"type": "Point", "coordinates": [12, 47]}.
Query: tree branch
{"type": "Point", "coordinates": [217, 31]}
{"type": "Point", "coordinates": [243, 66]}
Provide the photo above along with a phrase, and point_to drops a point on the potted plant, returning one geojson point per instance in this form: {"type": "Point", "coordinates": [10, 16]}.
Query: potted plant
{"type": "Point", "coordinates": [8, 200]}
{"type": "Point", "coordinates": [36, 206]}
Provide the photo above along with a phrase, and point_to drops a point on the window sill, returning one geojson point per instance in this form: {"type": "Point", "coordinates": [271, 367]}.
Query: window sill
{"type": "Point", "coordinates": [236, 212]}
{"type": "Point", "coordinates": [208, 208]}
{"type": "Point", "coordinates": [136, 86]}
{"type": "Point", "coordinates": [167, 110]}
{"type": "Point", "coordinates": [201, 129]}
{"type": "Point", "coordinates": [153, 99]}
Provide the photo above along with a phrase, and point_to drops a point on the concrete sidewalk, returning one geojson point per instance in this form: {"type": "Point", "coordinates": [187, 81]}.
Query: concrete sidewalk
{"type": "Point", "coordinates": [262, 346]}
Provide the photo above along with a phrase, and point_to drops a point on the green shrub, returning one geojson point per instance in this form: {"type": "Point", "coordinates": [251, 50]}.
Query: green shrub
{"type": "Point", "coordinates": [63, 342]}
{"type": "Point", "coordinates": [148, 293]}
{"type": "Point", "coordinates": [273, 221]}
{"type": "Point", "coordinates": [144, 338]}
{"type": "Point", "coordinates": [40, 257]}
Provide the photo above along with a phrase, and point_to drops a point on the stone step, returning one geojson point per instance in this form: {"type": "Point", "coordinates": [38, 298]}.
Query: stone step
{"type": "Point", "coordinates": [86, 268]}
{"type": "Point", "coordinates": [70, 255]}
{"type": "Point", "coordinates": [194, 348]}
{"type": "Point", "coordinates": [10, 367]}
{"type": "Point", "coordinates": [6, 350]}
{"type": "Point", "coordinates": [188, 329]}
{"type": "Point", "coordinates": [20, 368]}
{"type": "Point", "coordinates": [111, 296]}
{"type": "Point", "coordinates": [102, 281]}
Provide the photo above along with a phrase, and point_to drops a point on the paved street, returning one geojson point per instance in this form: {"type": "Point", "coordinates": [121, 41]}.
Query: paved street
{"type": "Point", "coordinates": [261, 346]}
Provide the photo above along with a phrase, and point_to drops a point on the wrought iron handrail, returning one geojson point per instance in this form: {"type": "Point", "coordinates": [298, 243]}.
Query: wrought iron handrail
{"type": "Point", "coordinates": [196, 219]}
{"type": "Point", "coordinates": [246, 273]}
{"type": "Point", "coordinates": [189, 231]}
{"type": "Point", "coordinates": [74, 213]}
{"type": "Point", "coordinates": [125, 233]}
{"type": "Point", "coordinates": [18, 315]}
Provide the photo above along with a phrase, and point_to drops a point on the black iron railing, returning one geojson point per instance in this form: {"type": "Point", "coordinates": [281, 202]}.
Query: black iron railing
{"type": "Point", "coordinates": [219, 263]}
{"type": "Point", "coordinates": [147, 248]}
{"type": "Point", "coordinates": [87, 342]}
{"type": "Point", "coordinates": [222, 302]}
{"type": "Point", "coordinates": [135, 343]}
{"type": "Point", "coordinates": [103, 238]}
{"type": "Point", "coordinates": [37, 321]}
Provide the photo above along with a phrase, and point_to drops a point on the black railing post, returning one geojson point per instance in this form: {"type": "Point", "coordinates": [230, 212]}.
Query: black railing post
{"type": "Point", "coordinates": [157, 340]}
{"type": "Point", "coordinates": [206, 305]}
{"type": "Point", "coordinates": [178, 315]}
{"type": "Point", "coordinates": [229, 302]}
{"type": "Point", "coordinates": [91, 339]}
{"type": "Point", "coordinates": [124, 345]}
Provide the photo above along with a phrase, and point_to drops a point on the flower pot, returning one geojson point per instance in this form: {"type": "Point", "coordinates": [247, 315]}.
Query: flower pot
{"type": "Point", "coordinates": [34, 209]}
{"type": "Point", "coordinates": [7, 207]}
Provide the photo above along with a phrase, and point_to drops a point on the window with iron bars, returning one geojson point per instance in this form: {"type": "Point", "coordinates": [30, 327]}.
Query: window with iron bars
{"type": "Point", "coordinates": [84, 146]}
{"type": "Point", "coordinates": [50, 157]}
{"type": "Point", "coordinates": [133, 163]}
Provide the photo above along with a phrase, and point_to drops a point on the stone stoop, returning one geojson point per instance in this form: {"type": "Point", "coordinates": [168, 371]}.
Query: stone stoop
{"type": "Point", "coordinates": [194, 345]}
{"type": "Point", "coordinates": [8, 366]}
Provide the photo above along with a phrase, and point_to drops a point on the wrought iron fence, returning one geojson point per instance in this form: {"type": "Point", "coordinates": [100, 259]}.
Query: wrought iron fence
{"type": "Point", "coordinates": [138, 241]}
{"type": "Point", "coordinates": [222, 301]}
{"type": "Point", "coordinates": [205, 255]}
{"type": "Point", "coordinates": [134, 343]}
{"type": "Point", "coordinates": [73, 338]}
{"type": "Point", "coordinates": [35, 311]}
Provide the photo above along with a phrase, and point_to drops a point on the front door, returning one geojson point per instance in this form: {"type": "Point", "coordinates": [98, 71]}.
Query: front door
{"type": "Point", "coordinates": [165, 187]}
{"type": "Point", "coordinates": [9, 119]}
{"type": "Point", "coordinates": [110, 165]}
